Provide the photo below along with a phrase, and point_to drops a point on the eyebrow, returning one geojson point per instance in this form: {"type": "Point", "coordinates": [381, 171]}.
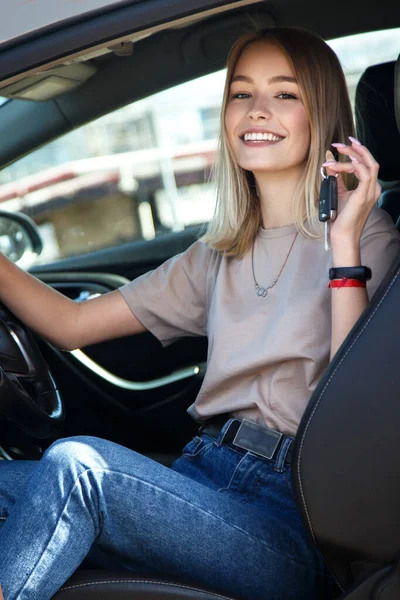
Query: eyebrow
{"type": "Point", "coordinates": [275, 79]}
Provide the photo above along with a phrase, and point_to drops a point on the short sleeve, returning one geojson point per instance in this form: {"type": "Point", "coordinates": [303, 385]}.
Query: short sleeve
{"type": "Point", "coordinates": [380, 245]}
{"type": "Point", "coordinates": [171, 300]}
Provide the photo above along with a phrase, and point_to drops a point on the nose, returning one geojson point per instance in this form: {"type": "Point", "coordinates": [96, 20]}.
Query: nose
{"type": "Point", "coordinates": [259, 109]}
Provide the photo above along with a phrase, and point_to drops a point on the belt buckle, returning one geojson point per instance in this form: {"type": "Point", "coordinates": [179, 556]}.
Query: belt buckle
{"type": "Point", "coordinates": [257, 439]}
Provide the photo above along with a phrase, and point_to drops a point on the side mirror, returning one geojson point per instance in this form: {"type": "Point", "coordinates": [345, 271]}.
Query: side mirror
{"type": "Point", "coordinates": [20, 239]}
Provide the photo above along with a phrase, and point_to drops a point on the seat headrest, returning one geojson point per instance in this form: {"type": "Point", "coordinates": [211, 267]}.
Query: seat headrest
{"type": "Point", "coordinates": [376, 116]}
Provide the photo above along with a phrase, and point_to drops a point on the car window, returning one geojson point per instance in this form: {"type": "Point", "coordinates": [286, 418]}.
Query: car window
{"type": "Point", "coordinates": [357, 52]}
{"type": "Point", "coordinates": [136, 173]}
{"type": "Point", "coordinates": [143, 170]}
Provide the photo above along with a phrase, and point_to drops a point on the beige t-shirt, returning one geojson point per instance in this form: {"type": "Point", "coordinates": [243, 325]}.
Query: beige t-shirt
{"type": "Point", "coordinates": [265, 355]}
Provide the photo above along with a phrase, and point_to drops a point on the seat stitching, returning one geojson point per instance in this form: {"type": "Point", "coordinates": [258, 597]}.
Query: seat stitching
{"type": "Point", "coordinates": [372, 315]}
{"type": "Point", "coordinates": [78, 585]}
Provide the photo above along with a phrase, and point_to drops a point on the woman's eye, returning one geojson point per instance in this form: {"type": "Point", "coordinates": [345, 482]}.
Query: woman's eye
{"type": "Point", "coordinates": [286, 96]}
{"type": "Point", "coordinates": [240, 96]}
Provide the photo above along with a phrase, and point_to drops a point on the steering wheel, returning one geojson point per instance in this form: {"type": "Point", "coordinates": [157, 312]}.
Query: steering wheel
{"type": "Point", "coordinates": [28, 393]}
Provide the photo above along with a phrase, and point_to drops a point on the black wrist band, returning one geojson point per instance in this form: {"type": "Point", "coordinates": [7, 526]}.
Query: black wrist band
{"type": "Point", "coordinates": [359, 273]}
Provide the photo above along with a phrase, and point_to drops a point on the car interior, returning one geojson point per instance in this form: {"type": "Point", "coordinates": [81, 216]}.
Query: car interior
{"type": "Point", "coordinates": [133, 391]}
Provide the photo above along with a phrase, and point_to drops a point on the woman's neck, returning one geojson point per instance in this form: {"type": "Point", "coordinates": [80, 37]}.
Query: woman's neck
{"type": "Point", "coordinates": [276, 194]}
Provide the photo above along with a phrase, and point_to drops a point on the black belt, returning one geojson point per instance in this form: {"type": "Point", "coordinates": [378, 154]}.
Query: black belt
{"type": "Point", "coordinates": [247, 435]}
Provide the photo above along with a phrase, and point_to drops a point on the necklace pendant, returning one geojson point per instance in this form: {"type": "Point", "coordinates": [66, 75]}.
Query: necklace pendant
{"type": "Point", "coordinates": [262, 292]}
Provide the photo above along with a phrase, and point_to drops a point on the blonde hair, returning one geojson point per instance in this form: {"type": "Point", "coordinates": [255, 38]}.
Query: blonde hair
{"type": "Point", "coordinates": [237, 216]}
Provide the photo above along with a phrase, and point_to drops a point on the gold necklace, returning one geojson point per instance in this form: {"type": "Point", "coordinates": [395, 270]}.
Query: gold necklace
{"type": "Point", "coordinates": [261, 291]}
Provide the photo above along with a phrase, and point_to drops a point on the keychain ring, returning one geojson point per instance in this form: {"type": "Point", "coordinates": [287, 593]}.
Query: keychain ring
{"type": "Point", "coordinates": [326, 176]}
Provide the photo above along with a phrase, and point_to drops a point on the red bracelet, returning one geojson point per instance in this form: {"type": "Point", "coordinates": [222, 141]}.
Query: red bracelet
{"type": "Point", "coordinates": [345, 282]}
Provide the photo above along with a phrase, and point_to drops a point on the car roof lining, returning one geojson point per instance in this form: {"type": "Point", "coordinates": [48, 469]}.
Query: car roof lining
{"type": "Point", "coordinates": [104, 30]}
{"type": "Point", "coordinates": [150, 16]}
{"type": "Point", "coordinates": [189, 52]}
{"type": "Point", "coordinates": [106, 50]}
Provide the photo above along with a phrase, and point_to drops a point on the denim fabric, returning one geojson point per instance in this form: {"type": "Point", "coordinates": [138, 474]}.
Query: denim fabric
{"type": "Point", "coordinates": [221, 517]}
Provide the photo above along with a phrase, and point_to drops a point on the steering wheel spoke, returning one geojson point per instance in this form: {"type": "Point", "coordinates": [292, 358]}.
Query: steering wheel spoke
{"type": "Point", "coordinates": [28, 394]}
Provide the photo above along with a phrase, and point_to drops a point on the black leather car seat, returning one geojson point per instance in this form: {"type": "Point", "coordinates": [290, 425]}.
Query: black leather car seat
{"type": "Point", "coordinates": [101, 585]}
{"type": "Point", "coordinates": [376, 129]}
{"type": "Point", "coordinates": [347, 454]}
{"type": "Point", "coordinates": [346, 473]}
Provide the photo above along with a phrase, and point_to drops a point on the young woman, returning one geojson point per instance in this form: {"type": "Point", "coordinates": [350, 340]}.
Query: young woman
{"type": "Point", "coordinates": [256, 285]}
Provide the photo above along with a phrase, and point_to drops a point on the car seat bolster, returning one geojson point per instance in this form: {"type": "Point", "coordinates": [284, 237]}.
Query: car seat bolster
{"type": "Point", "coordinates": [364, 590]}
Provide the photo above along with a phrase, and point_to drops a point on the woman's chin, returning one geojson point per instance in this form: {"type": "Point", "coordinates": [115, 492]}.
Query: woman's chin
{"type": "Point", "coordinates": [260, 169]}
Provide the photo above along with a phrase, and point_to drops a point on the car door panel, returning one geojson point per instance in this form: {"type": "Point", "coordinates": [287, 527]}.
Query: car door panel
{"type": "Point", "coordinates": [132, 381]}
{"type": "Point", "coordinates": [127, 260]}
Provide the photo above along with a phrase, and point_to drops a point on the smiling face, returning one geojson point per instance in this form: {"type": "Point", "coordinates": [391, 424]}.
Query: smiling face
{"type": "Point", "coordinates": [265, 120]}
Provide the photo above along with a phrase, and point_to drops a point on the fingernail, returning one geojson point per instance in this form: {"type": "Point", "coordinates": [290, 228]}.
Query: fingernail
{"type": "Point", "coordinates": [353, 159]}
{"type": "Point", "coordinates": [338, 145]}
{"type": "Point", "coordinates": [357, 142]}
{"type": "Point", "coordinates": [328, 162]}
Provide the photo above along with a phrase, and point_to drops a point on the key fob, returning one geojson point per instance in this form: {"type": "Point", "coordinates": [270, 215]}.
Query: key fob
{"type": "Point", "coordinates": [328, 199]}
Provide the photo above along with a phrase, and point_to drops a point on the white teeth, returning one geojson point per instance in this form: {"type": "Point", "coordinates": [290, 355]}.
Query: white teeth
{"type": "Point", "coordinates": [253, 136]}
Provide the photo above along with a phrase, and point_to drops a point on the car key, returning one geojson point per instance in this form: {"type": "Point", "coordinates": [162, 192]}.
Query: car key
{"type": "Point", "coordinates": [328, 200]}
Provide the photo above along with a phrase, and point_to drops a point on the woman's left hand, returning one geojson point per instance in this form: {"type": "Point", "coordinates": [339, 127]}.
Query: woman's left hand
{"type": "Point", "coordinates": [354, 206]}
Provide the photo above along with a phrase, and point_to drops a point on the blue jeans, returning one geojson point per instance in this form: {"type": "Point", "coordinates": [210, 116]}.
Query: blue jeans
{"type": "Point", "coordinates": [221, 517]}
